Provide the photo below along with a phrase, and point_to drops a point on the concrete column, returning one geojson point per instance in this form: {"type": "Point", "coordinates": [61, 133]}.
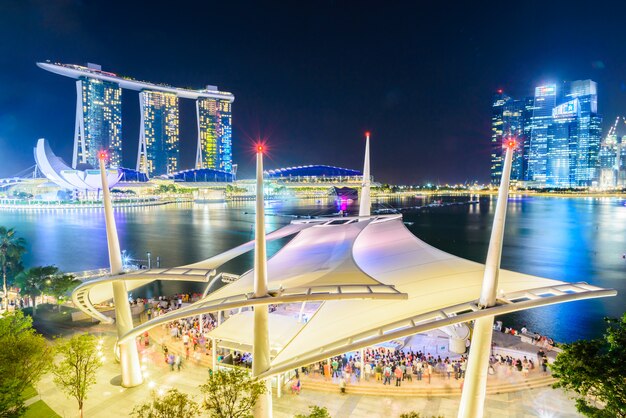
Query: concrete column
{"type": "Point", "coordinates": [129, 357]}
{"type": "Point", "coordinates": [301, 311]}
{"type": "Point", "coordinates": [475, 386]}
{"type": "Point", "coordinates": [494, 253]}
{"type": "Point", "coordinates": [279, 385]}
{"type": "Point", "coordinates": [365, 201]}
{"type": "Point", "coordinates": [261, 345]}
{"type": "Point", "coordinates": [214, 354]}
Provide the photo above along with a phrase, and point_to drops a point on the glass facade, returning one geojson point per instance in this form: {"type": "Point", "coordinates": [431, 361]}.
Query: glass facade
{"type": "Point", "coordinates": [225, 132]}
{"type": "Point", "coordinates": [509, 120]}
{"type": "Point", "coordinates": [159, 137]}
{"type": "Point", "coordinates": [558, 133]}
{"type": "Point", "coordinates": [98, 122]}
{"type": "Point", "coordinates": [215, 150]}
{"type": "Point", "coordinates": [545, 100]}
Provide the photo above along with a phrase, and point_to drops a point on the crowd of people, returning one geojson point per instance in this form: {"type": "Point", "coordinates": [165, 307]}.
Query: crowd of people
{"type": "Point", "coordinates": [380, 364]}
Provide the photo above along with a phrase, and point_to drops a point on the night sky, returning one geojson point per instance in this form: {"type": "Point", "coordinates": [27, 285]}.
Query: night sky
{"type": "Point", "coordinates": [311, 77]}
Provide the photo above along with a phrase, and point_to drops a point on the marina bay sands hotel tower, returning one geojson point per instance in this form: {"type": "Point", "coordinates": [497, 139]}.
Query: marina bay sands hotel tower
{"type": "Point", "coordinates": [99, 121]}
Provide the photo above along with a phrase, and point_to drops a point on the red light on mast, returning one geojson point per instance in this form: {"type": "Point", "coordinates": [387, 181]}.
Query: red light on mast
{"type": "Point", "coordinates": [259, 148]}
{"type": "Point", "coordinates": [510, 143]}
{"type": "Point", "coordinates": [103, 155]}
{"type": "Point", "coordinates": [367, 133]}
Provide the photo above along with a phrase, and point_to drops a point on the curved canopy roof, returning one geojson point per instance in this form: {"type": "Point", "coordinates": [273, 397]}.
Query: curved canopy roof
{"type": "Point", "coordinates": [313, 171]}
{"type": "Point", "coordinates": [201, 175]}
{"type": "Point", "coordinates": [376, 281]}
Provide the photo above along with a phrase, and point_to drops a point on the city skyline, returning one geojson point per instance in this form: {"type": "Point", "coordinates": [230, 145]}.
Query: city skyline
{"type": "Point", "coordinates": [99, 121]}
{"type": "Point", "coordinates": [424, 88]}
{"type": "Point", "coordinates": [558, 131]}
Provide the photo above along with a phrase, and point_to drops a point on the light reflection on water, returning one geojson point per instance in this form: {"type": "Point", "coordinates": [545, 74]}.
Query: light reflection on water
{"type": "Point", "coordinates": [566, 239]}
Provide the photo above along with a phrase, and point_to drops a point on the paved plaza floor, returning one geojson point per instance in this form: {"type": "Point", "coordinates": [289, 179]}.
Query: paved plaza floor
{"type": "Point", "coordinates": [108, 399]}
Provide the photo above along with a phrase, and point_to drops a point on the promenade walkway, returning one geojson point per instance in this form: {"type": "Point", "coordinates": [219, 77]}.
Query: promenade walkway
{"type": "Point", "coordinates": [107, 398]}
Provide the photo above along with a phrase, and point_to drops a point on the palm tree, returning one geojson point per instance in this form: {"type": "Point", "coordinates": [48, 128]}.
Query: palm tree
{"type": "Point", "coordinates": [35, 281]}
{"type": "Point", "coordinates": [11, 250]}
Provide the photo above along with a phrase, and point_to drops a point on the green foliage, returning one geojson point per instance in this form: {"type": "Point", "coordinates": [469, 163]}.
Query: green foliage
{"type": "Point", "coordinates": [231, 394]}
{"type": "Point", "coordinates": [316, 412]}
{"type": "Point", "coordinates": [171, 189]}
{"type": "Point", "coordinates": [173, 404]}
{"type": "Point", "coordinates": [76, 372]}
{"type": "Point", "coordinates": [37, 281]}
{"type": "Point", "coordinates": [60, 285]}
{"type": "Point", "coordinates": [40, 409]}
{"type": "Point", "coordinates": [596, 371]}
{"type": "Point", "coordinates": [12, 248]}
{"type": "Point", "coordinates": [231, 189]}
{"type": "Point", "coordinates": [24, 357]}
{"type": "Point", "coordinates": [414, 414]}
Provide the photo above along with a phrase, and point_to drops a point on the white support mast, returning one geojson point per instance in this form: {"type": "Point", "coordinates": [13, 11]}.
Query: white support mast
{"type": "Point", "coordinates": [475, 386]}
{"type": "Point", "coordinates": [365, 201]}
{"type": "Point", "coordinates": [261, 349]}
{"type": "Point", "coordinates": [129, 358]}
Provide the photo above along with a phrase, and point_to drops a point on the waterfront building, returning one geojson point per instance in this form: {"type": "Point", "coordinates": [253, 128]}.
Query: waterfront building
{"type": "Point", "coordinates": [98, 123]}
{"type": "Point", "coordinates": [545, 101]}
{"type": "Point", "coordinates": [558, 134]}
{"type": "Point", "coordinates": [587, 143]}
{"type": "Point", "coordinates": [214, 134]}
{"type": "Point", "coordinates": [510, 119]}
{"type": "Point", "coordinates": [159, 133]}
{"type": "Point", "coordinates": [314, 174]}
{"type": "Point", "coordinates": [497, 132]}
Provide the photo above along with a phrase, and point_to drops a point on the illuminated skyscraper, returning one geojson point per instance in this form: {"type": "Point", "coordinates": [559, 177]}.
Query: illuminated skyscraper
{"type": "Point", "coordinates": [541, 120]}
{"type": "Point", "coordinates": [159, 133]}
{"type": "Point", "coordinates": [98, 122]}
{"type": "Point", "coordinates": [510, 119]}
{"type": "Point", "coordinates": [585, 156]}
{"type": "Point", "coordinates": [497, 133]}
{"type": "Point", "coordinates": [214, 134]}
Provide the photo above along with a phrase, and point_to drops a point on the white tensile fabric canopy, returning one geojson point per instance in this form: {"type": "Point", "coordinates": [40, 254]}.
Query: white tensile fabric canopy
{"type": "Point", "coordinates": [376, 250]}
{"type": "Point", "coordinates": [430, 289]}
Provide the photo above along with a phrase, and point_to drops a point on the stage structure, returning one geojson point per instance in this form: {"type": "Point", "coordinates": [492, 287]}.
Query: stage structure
{"type": "Point", "coordinates": [377, 282]}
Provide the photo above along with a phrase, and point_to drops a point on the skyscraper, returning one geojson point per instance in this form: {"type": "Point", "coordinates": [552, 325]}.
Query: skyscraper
{"type": "Point", "coordinates": [214, 134]}
{"type": "Point", "coordinates": [585, 92]}
{"type": "Point", "coordinates": [558, 134]}
{"type": "Point", "coordinates": [497, 133]}
{"type": "Point", "coordinates": [159, 133]}
{"type": "Point", "coordinates": [98, 122]}
{"type": "Point", "coordinates": [509, 120]}
{"type": "Point", "coordinates": [545, 100]}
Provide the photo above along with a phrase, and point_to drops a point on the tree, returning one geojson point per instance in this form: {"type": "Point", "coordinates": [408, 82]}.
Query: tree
{"type": "Point", "coordinates": [231, 393]}
{"type": "Point", "coordinates": [12, 249]}
{"type": "Point", "coordinates": [596, 371]}
{"type": "Point", "coordinates": [316, 412]}
{"type": "Point", "coordinates": [60, 285]}
{"type": "Point", "coordinates": [35, 281]}
{"type": "Point", "coordinates": [25, 356]}
{"type": "Point", "coordinates": [81, 357]}
{"type": "Point", "coordinates": [173, 404]}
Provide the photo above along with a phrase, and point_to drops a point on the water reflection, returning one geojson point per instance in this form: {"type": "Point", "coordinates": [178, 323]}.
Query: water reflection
{"type": "Point", "coordinates": [563, 239]}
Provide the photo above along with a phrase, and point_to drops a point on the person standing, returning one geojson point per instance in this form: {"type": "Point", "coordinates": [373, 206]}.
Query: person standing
{"type": "Point", "coordinates": [398, 373]}
{"type": "Point", "coordinates": [387, 375]}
